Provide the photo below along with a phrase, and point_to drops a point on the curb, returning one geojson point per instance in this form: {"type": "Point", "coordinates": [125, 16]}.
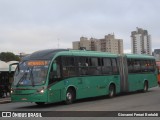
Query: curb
{"type": "Point", "coordinates": [2, 101]}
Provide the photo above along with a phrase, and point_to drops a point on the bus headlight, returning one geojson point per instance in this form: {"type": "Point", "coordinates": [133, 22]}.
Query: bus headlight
{"type": "Point", "coordinates": [40, 91]}
{"type": "Point", "coordinates": [12, 90]}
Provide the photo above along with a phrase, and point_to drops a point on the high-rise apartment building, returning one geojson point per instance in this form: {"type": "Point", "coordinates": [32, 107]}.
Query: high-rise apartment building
{"type": "Point", "coordinates": [140, 42]}
{"type": "Point", "coordinates": [108, 44]}
{"type": "Point", "coordinates": [95, 44]}
{"type": "Point", "coordinates": [83, 43]}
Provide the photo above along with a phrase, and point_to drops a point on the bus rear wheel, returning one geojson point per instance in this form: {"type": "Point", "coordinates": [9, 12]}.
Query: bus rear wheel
{"type": "Point", "coordinates": [145, 89]}
{"type": "Point", "coordinates": [40, 103]}
{"type": "Point", "coordinates": [70, 96]}
{"type": "Point", "coordinates": [111, 91]}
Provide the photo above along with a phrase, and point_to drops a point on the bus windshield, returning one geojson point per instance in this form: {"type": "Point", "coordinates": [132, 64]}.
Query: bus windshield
{"type": "Point", "coordinates": [31, 73]}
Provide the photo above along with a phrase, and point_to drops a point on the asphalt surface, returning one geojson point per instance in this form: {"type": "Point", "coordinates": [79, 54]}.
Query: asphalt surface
{"type": "Point", "coordinates": [136, 101]}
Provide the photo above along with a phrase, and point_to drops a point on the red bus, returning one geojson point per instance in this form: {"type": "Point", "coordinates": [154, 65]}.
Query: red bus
{"type": "Point", "coordinates": [158, 65]}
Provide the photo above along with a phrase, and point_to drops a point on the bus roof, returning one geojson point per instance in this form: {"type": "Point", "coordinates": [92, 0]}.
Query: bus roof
{"type": "Point", "coordinates": [87, 53]}
{"type": "Point", "coordinates": [139, 56]}
{"type": "Point", "coordinates": [50, 53]}
{"type": "Point", "coordinates": [43, 54]}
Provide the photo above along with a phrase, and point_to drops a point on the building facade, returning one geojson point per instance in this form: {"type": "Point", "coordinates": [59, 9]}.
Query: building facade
{"type": "Point", "coordinates": [156, 54]}
{"type": "Point", "coordinates": [140, 42]}
{"type": "Point", "coordinates": [83, 43]}
{"type": "Point", "coordinates": [107, 44]}
{"type": "Point", "coordinates": [111, 44]}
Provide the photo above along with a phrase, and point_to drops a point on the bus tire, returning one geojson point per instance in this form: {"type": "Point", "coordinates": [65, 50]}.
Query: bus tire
{"type": "Point", "coordinates": [70, 96]}
{"type": "Point", "coordinates": [111, 91]}
{"type": "Point", "coordinates": [145, 88]}
{"type": "Point", "coordinates": [40, 103]}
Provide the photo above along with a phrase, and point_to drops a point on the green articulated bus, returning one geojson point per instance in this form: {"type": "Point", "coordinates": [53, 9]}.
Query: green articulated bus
{"type": "Point", "coordinates": [56, 75]}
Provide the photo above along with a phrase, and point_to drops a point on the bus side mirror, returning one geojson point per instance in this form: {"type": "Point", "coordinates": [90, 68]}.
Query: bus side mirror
{"type": "Point", "coordinates": [10, 67]}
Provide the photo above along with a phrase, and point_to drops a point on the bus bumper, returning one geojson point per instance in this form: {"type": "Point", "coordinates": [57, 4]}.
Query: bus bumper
{"type": "Point", "coordinates": [29, 98]}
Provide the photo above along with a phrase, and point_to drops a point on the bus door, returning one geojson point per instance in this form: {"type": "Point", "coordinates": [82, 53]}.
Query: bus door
{"type": "Point", "coordinates": [84, 83]}
{"type": "Point", "coordinates": [54, 90]}
{"type": "Point", "coordinates": [123, 70]}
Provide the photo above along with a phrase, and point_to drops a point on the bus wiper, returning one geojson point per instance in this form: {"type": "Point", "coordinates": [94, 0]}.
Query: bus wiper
{"type": "Point", "coordinates": [22, 78]}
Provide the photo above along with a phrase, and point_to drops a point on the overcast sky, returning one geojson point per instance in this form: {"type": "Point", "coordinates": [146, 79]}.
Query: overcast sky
{"type": "Point", "coordinates": [31, 25]}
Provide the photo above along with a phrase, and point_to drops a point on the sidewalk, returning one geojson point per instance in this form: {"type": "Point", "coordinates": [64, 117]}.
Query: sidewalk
{"type": "Point", "coordinates": [5, 100]}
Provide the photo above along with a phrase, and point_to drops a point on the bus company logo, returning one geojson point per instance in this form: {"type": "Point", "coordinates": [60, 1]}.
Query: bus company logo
{"type": "Point", "coordinates": [21, 114]}
{"type": "Point", "coordinates": [6, 114]}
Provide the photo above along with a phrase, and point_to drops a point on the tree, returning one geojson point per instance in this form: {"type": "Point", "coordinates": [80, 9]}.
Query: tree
{"type": "Point", "coordinates": [8, 56]}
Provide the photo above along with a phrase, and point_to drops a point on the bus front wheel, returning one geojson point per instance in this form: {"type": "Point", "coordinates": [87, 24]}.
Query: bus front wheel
{"type": "Point", "coordinates": [111, 91]}
{"type": "Point", "coordinates": [70, 96]}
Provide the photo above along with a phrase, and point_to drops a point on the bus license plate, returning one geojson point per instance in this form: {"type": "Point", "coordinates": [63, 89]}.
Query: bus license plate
{"type": "Point", "coordinates": [24, 99]}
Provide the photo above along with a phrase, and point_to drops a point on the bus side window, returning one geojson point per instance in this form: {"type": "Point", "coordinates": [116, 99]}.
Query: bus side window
{"type": "Point", "coordinates": [151, 66]}
{"type": "Point", "coordinates": [136, 66]}
{"type": "Point", "coordinates": [93, 67]}
{"type": "Point", "coordinates": [144, 66]}
{"type": "Point", "coordinates": [130, 65]}
{"type": "Point", "coordinates": [114, 66]}
{"type": "Point", "coordinates": [106, 68]}
{"type": "Point", "coordinates": [83, 66]}
{"type": "Point", "coordinates": [69, 66]}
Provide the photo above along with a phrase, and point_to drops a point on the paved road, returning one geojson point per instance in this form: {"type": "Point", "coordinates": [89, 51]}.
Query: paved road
{"type": "Point", "coordinates": [149, 101]}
